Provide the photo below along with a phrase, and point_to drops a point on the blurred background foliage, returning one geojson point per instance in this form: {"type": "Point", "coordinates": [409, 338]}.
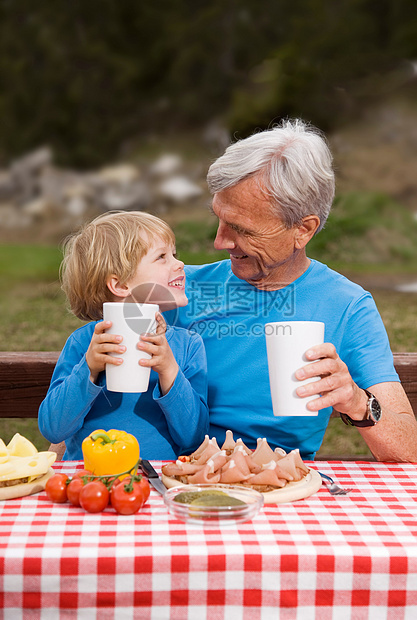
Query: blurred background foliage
{"type": "Point", "coordinates": [91, 77]}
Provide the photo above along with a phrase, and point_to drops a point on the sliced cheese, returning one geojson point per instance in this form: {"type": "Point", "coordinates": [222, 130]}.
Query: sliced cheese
{"type": "Point", "coordinates": [24, 467]}
{"type": "Point", "coordinates": [50, 456]}
{"type": "Point", "coordinates": [6, 469]}
{"type": "Point", "coordinates": [20, 446]}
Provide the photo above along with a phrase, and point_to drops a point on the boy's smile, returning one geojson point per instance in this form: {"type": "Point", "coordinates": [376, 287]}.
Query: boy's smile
{"type": "Point", "coordinates": [178, 282]}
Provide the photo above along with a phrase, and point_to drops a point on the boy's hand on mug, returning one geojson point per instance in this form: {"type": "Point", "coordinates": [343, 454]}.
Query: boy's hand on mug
{"type": "Point", "coordinates": [163, 360]}
{"type": "Point", "coordinates": [101, 344]}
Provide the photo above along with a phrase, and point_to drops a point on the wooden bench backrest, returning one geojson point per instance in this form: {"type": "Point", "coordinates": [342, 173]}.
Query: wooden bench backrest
{"type": "Point", "coordinates": [24, 381]}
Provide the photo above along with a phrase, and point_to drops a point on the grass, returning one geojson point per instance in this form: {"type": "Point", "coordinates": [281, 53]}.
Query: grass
{"type": "Point", "coordinates": [33, 314]}
{"type": "Point", "coordinates": [369, 230]}
{"type": "Point", "coordinates": [36, 318]}
{"type": "Point", "coordinates": [399, 312]}
{"type": "Point", "coordinates": [28, 263]}
{"type": "Point", "coordinates": [343, 440]}
{"type": "Point", "coordinates": [26, 427]}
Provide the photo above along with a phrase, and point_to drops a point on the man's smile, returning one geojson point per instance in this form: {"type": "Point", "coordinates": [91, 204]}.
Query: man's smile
{"type": "Point", "coordinates": [238, 256]}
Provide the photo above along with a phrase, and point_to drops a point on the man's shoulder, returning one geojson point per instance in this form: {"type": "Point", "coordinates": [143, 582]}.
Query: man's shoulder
{"type": "Point", "coordinates": [323, 275]}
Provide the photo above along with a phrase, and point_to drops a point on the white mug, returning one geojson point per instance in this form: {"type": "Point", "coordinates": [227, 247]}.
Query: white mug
{"type": "Point", "coordinates": [286, 344]}
{"type": "Point", "coordinates": [129, 320]}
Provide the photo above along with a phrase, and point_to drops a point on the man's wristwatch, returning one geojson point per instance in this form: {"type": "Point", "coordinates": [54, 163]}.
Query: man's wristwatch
{"type": "Point", "coordinates": [372, 416]}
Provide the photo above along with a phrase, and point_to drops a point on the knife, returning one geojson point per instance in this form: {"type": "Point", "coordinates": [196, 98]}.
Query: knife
{"type": "Point", "coordinates": [152, 475]}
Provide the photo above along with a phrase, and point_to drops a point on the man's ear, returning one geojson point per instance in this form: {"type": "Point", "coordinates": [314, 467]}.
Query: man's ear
{"type": "Point", "coordinates": [305, 231]}
{"type": "Point", "coordinates": [117, 288]}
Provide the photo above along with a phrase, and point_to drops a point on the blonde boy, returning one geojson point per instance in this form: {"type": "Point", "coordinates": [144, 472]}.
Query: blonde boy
{"type": "Point", "coordinates": [126, 256]}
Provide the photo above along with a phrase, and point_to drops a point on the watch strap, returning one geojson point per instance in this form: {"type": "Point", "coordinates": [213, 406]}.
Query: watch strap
{"type": "Point", "coordinates": [361, 423]}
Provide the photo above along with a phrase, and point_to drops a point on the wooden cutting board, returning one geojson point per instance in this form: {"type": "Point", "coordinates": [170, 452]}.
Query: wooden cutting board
{"type": "Point", "coordinates": [292, 491]}
{"type": "Point", "coordinates": [29, 488]}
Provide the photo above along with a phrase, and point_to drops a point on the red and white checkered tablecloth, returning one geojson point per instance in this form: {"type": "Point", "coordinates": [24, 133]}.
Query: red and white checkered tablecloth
{"type": "Point", "coordinates": [344, 557]}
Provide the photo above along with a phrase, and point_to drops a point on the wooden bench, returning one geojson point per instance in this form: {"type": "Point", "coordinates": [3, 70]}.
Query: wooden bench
{"type": "Point", "coordinates": [25, 378]}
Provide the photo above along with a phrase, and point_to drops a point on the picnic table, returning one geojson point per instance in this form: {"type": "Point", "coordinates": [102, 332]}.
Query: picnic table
{"type": "Point", "coordinates": [327, 557]}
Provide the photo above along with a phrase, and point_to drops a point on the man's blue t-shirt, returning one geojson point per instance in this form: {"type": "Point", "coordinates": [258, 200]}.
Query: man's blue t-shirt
{"type": "Point", "coordinates": [230, 316]}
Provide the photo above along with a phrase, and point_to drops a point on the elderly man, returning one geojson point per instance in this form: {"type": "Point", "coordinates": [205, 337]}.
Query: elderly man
{"type": "Point", "coordinates": [272, 192]}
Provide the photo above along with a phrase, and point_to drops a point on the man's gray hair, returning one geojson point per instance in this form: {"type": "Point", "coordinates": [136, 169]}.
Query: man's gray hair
{"type": "Point", "coordinates": [293, 167]}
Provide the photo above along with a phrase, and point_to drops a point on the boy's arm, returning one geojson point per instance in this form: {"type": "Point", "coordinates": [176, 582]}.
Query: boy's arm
{"type": "Point", "coordinates": [185, 405]}
{"type": "Point", "coordinates": [70, 394]}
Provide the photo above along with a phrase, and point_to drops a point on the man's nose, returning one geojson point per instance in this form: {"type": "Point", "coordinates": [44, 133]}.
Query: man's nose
{"type": "Point", "coordinates": [223, 240]}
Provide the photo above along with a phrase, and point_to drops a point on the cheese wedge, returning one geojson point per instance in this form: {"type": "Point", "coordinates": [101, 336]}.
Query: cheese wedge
{"type": "Point", "coordinates": [4, 453]}
{"type": "Point", "coordinates": [20, 446]}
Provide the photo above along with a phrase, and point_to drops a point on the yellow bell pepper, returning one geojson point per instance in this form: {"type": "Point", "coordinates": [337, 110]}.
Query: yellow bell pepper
{"type": "Point", "coordinates": [110, 452]}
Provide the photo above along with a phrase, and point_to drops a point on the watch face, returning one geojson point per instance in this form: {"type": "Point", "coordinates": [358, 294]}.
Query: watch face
{"type": "Point", "coordinates": [374, 409]}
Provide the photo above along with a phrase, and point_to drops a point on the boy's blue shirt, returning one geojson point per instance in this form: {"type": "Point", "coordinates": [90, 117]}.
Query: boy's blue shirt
{"type": "Point", "coordinates": [165, 426]}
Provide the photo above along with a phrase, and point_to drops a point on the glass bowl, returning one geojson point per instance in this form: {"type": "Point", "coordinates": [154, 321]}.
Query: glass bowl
{"type": "Point", "coordinates": [214, 514]}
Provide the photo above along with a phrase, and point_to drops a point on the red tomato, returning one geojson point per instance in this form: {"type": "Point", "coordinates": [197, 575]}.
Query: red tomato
{"type": "Point", "coordinates": [116, 482]}
{"type": "Point", "coordinates": [56, 488]}
{"type": "Point", "coordinates": [127, 502]}
{"type": "Point", "coordinates": [94, 496]}
{"type": "Point", "coordinates": [73, 491]}
{"type": "Point", "coordinates": [82, 472]}
{"type": "Point", "coordinates": [145, 489]}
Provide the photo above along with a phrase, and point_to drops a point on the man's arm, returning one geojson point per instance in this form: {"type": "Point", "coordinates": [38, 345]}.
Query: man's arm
{"type": "Point", "coordinates": [394, 437]}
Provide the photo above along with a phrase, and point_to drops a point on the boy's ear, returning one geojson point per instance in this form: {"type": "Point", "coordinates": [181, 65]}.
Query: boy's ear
{"type": "Point", "coordinates": [117, 288]}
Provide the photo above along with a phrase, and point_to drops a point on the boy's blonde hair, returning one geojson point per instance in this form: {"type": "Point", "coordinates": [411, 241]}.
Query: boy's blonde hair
{"type": "Point", "coordinates": [113, 243]}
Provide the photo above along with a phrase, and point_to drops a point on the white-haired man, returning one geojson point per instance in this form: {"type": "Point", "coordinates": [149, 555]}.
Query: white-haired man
{"type": "Point", "coordinates": [272, 192]}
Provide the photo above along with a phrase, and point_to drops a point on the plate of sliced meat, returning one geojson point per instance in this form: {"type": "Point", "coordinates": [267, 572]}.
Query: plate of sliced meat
{"type": "Point", "coordinates": [280, 476]}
